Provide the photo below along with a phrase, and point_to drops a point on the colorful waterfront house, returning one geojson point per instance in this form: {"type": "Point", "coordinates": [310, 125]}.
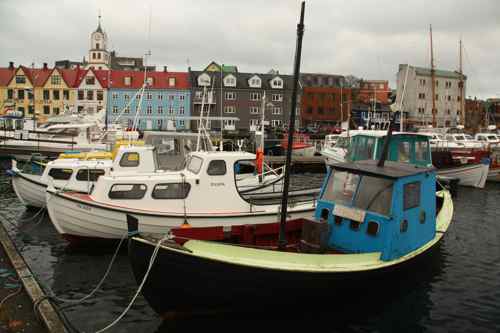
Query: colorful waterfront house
{"type": "Point", "coordinates": [6, 74]}
{"type": "Point", "coordinates": [52, 93]}
{"type": "Point", "coordinates": [91, 90]}
{"type": "Point", "coordinates": [165, 103]}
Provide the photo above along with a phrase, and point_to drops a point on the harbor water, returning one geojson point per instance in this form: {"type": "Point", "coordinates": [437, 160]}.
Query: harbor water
{"type": "Point", "coordinates": [457, 291]}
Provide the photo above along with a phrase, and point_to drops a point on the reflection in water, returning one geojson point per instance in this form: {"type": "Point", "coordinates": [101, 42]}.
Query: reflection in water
{"type": "Point", "coordinates": [455, 289]}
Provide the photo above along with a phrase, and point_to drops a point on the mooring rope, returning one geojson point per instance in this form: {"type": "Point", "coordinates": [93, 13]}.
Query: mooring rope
{"type": "Point", "coordinates": [151, 262]}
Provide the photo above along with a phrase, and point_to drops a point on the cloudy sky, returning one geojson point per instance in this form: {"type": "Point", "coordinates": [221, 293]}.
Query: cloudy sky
{"type": "Point", "coordinates": [364, 38]}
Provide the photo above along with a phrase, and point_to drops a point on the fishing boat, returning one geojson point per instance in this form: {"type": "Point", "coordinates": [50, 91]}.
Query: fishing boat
{"type": "Point", "coordinates": [369, 222]}
{"type": "Point", "coordinates": [302, 145]}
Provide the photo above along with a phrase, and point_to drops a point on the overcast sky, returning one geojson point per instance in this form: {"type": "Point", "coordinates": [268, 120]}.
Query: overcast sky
{"type": "Point", "coordinates": [364, 38]}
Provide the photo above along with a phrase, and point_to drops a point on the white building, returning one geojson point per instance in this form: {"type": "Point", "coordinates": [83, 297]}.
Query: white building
{"type": "Point", "coordinates": [91, 90]}
{"type": "Point", "coordinates": [418, 96]}
{"type": "Point", "coordinates": [98, 54]}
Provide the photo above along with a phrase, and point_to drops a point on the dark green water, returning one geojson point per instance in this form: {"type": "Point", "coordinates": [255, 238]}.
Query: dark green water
{"type": "Point", "coordinates": [458, 290]}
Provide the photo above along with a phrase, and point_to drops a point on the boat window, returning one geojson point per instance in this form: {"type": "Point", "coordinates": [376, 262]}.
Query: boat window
{"type": "Point", "coordinates": [171, 191]}
{"type": "Point", "coordinates": [469, 137]}
{"type": "Point", "coordinates": [216, 168]}
{"type": "Point", "coordinates": [492, 138]}
{"type": "Point", "coordinates": [342, 142]}
{"type": "Point", "coordinates": [194, 164]}
{"type": "Point", "coordinates": [129, 160]}
{"type": "Point", "coordinates": [354, 225]}
{"type": "Point", "coordinates": [60, 174]}
{"type": "Point", "coordinates": [459, 137]}
{"type": "Point", "coordinates": [403, 227]}
{"type": "Point", "coordinates": [341, 187]}
{"type": "Point", "coordinates": [245, 167]}
{"type": "Point", "coordinates": [411, 195]}
{"type": "Point", "coordinates": [450, 138]}
{"type": "Point", "coordinates": [404, 151]}
{"type": "Point", "coordinates": [363, 148]}
{"type": "Point", "coordinates": [127, 191]}
{"type": "Point", "coordinates": [374, 194]}
{"type": "Point", "coordinates": [372, 228]}
{"type": "Point", "coordinates": [422, 151]}
{"type": "Point", "coordinates": [89, 174]}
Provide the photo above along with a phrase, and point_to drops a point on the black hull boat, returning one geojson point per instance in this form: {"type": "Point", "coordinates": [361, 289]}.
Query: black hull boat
{"type": "Point", "coordinates": [181, 282]}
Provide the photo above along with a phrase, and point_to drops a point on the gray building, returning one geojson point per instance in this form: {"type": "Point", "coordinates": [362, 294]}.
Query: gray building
{"type": "Point", "coordinates": [449, 95]}
{"type": "Point", "coordinates": [234, 94]}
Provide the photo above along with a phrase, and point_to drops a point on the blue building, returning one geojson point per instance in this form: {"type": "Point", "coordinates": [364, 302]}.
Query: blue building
{"type": "Point", "coordinates": [165, 104]}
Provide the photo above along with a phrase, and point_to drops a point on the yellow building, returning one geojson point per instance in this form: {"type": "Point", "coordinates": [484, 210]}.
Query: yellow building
{"type": "Point", "coordinates": [54, 95]}
{"type": "Point", "coordinates": [6, 75]}
{"type": "Point", "coordinates": [18, 91]}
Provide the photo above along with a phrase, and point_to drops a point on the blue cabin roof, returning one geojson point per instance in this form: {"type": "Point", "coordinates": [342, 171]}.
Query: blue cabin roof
{"type": "Point", "coordinates": [389, 209]}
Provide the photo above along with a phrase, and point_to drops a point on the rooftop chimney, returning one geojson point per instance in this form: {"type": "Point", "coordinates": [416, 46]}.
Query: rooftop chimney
{"type": "Point", "coordinates": [45, 65]}
{"type": "Point", "coordinates": [11, 65]}
{"type": "Point", "coordinates": [165, 68]}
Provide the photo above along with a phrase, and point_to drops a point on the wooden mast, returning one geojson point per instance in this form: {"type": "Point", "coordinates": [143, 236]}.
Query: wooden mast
{"type": "Point", "coordinates": [291, 129]}
{"type": "Point", "coordinates": [433, 83]}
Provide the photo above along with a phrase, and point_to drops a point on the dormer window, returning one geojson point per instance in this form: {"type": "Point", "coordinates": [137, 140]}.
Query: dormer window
{"type": "Point", "coordinates": [171, 81]}
{"type": "Point", "coordinates": [230, 81]}
{"type": "Point", "coordinates": [127, 80]}
{"type": "Point", "coordinates": [90, 80]}
{"type": "Point", "coordinates": [204, 80]}
{"type": "Point", "coordinates": [277, 83]}
{"type": "Point", "coordinates": [255, 82]}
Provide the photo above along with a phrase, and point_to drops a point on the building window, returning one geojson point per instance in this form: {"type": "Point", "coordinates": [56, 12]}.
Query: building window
{"type": "Point", "coordinates": [46, 109]}
{"type": "Point", "coordinates": [93, 55]}
{"type": "Point", "coordinates": [126, 97]}
{"type": "Point", "coordinates": [55, 95]}
{"type": "Point", "coordinates": [160, 97]}
{"type": "Point", "coordinates": [171, 81]}
{"type": "Point", "coordinates": [277, 83]}
{"type": "Point", "coordinates": [115, 109]}
{"type": "Point", "coordinates": [320, 110]}
{"type": "Point", "coordinates": [81, 95]}
{"type": "Point", "coordinates": [66, 94]}
{"type": "Point", "coordinates": [56, 79]}
{"type": "Point", "coordinates": [100, 95]}
{"type": "Point", "coordinates": [198, 94]}
{"type": "Point", "coordinates": [181, 110]}
{"type": "Point", "coordinates": [229, 123]}
{"type": "Point", "coordinates": [56, 111]}
{"type": "Point", "coordinates": [170, 97]}
{"type": "Point", "coordinates": [46, 95]}
{"type": "Point", "coordinates": [277, 97]}
{"type": "Point", "coordinates": [230, 95]}
{"type": "Point", "coordinates": [254, 110]}
{"type": "Point", "coordinates": [181, 123]}
{"type": "Point", "coordinates": [254, 122]}
{"type": "Point", "coordinates": [437, 83]}
{"type": "Point", "coordinates": [276, 123]}
{"type": "Point", "coordinates": [437, 97]}
{"type": "Point", "coordinates": [149, 109]}
{"type": "Point", "coordinates": [20, 94]}
{"type": "Point", "coordinates": [160, 109]}
{"type": "Point", "coordinates": [181, 97]}
{"type": "Point", "coordinates": [90, 95]}
{"type": "Point", "coordinates": [20, 79]}
{"type": "Point", "coordinates": [30, 109]}
{"type": "Point", "coordinates": [127, 110]}
{"type": "Point", "coordinates": [127, 80]}
{"type": "Point", "coordinates": [159, 122]}
{"type": "Point", "coordinates": [458, 98]}
{"type": "Point", "coordinates": [276, 110]}
{"type": "Point", "coordinates": [448, 112]}
{"type": "Point", "coordinates": [90, 80]}
{"type": "Point", "coordinates": [10, 94]}
{"type": "Point", "coordinates": [255, 96]}
{"type": "Point", "coordinates": [149, 96]}
{"type": "Point", "coordinates": [99, 56]}
{"type": "Point", "coordinates": [170, 109]}
{"type": "Point", "coordinates": [421, 96]}
{"type": "Point", "coordinates": [255, 82]}
{"type": "Point", "coordinates": [229, 109]}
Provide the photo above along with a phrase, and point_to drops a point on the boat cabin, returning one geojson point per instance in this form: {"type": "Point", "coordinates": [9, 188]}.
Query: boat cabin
{"type": "Point", "coordinates": [404, 147]}
{"type": "Point", "coordinates": [390, 209]}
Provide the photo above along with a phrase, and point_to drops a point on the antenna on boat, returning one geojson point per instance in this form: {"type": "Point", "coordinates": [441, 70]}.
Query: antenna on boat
{"type": "Point", "coordinates": [291, 129]}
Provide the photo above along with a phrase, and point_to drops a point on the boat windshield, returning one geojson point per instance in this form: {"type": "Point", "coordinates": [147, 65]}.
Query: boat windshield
{"type": "Point", "coordinates": [360, 191]}
{"type": "Point", "coordinates": [194, 163]}
{"type": "Point", "coordinates": [492, 138]}
{"type": "Point", "coordinates": [342, 142]}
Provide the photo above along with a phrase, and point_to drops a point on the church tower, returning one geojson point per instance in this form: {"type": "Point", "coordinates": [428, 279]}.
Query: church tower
{"type": "Point", "coordinates": [98, 54]}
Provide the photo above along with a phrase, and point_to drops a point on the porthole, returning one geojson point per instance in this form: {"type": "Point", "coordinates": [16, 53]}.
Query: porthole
{"type": "Point", "coordinates": [403, 227]}
{"type": "Point", "coordinates": [355, 225]}
{"type": "Point", "coordinates": [372, 228]}
{"type": "Point", "coordinates": [422, 217]}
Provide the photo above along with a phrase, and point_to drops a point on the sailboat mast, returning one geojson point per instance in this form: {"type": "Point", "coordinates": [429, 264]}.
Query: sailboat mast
{"type": "Point", "coordinates": [461, 86]}
{"type": "Point", "coordinates": [433, 83]}
{"type": "Point", "coordinates": [291, 129]}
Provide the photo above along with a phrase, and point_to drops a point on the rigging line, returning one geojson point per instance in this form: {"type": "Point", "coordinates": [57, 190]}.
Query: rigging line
{"type": "Point", "coordinates": [471, 68]}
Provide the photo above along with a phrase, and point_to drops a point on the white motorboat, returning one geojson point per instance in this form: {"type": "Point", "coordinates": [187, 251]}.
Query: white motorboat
{"type": "Point", "coordinates": [204, 194]}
